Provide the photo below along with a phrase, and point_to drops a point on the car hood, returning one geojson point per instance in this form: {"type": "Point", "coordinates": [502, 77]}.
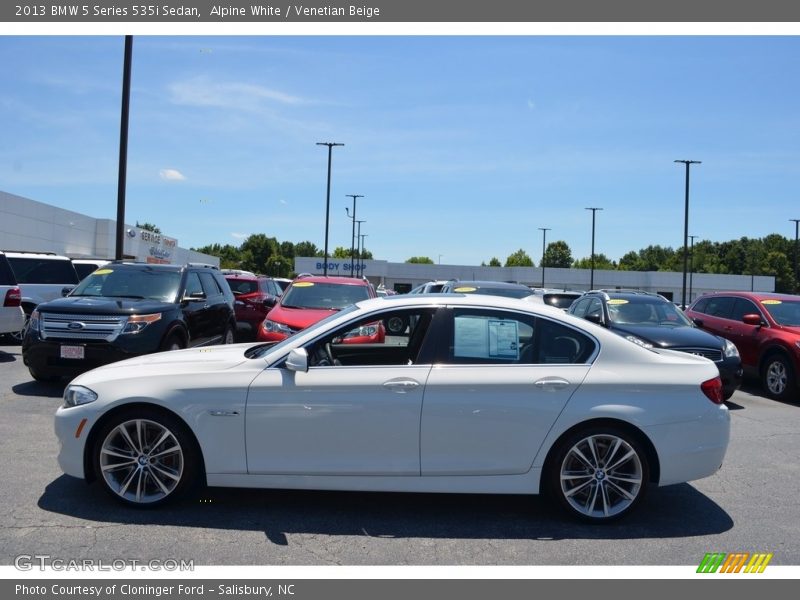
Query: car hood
{"type": "Point", "coordinates": [105, 305]}
{"type": "Point", "coordinates": [174, 363]}
{"type": "Point", "coordinates": [298, 318]}
{"type": "Point", "coordinates": [670, 337]}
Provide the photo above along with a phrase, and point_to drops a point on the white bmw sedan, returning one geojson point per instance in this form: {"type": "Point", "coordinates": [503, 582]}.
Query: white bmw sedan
{"type": "Point", "coordinates": [478, 394]}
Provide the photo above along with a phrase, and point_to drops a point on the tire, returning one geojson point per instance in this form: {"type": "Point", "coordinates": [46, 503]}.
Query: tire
{"type": "Point", "coordinates": [18, 336]}
{"type": "Point", "coordinates": [777, 377]}
{"type": "Point", "coordinates": [229, 336]}
{"type": "Point", "coordinates": [396, 325]}
{"type": "Point", "coordinates": [145, 458]}
{"type": "Point", "coordinates": [43, 378]}
{"type": "Point", "coordinates": [580, 480]}
{"type": "Point", "coordinates": [173, 342]}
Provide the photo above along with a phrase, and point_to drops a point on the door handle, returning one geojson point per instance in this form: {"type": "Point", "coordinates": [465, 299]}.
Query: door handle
{"type": "Point", "coordinates": [551, 383]}
{"type": "Point", "coordinates": [401, 386]}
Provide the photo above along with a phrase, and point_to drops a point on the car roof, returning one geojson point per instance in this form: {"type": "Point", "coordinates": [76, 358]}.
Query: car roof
{"type": "Point", "coordinates": [332, 279]}
{"type": "Point", "coordinates": [140, 265]}
{"type": "Point", "coordinates": [39, 255]}
{"type": "Point", "coordinates": [488, 284]}
{"type": "Point", "coordinates": [754, 296]}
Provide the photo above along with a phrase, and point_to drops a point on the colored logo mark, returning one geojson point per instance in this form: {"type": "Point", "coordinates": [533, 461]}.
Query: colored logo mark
{"type": "Point", "coordinates": [738, 562]}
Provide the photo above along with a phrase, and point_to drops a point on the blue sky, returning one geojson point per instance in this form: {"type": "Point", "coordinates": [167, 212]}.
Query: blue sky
{"type": "Point", "coordinates": [462, 146]}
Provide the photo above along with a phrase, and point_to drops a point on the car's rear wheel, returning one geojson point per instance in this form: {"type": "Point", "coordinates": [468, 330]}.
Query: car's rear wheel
{"type": "Point", "coordinates": [18, 336]}
{"type": "Point", "coordinates": [599, 474]}
{"type": "Point", "coordinates": [145, 458]}
{"type": "Point", "coordinates": [777, 377]}
{"type": "Point", "coordinates": [228, 336]}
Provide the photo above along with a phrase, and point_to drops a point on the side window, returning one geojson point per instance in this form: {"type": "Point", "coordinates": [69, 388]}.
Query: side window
{"type": "Point", "coordinates": [366, 342]}
{"type": "Point", "coordinates": [6, 274]}
{"type": "Point", "coordinates": [742, 307]}
{"type": "Point", "coordinates": [720, 306]}
{"type": "Point", "coordinates": [581, 307]}
{"type": "Point", "coordinates": [701, 305]}
{"type": "Point", "coordinates": [193, 285]}
{"type": "Point", "coordinates": [210, 285]}
{"type": "Point", "coordinates": [559, 344]}
{"type": "Point", "coordinates": [595, 308]}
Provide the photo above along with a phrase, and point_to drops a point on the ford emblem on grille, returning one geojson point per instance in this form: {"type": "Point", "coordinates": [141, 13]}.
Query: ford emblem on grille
{"type": "Point", "coordinates": [76, 325]}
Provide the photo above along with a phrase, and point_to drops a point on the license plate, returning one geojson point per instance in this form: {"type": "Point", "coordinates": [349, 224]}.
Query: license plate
{"type": "Point", "coordinates": [75, 352]}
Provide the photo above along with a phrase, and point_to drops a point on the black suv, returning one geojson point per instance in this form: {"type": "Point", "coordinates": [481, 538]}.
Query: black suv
{"type": "Point", "coordinates": [651, 320]}
{"type": "Point", "coordinates": [125, 309]}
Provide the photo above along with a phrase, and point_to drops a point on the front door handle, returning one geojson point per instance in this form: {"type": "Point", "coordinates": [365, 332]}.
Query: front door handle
{"type": "Point", "coordinates": [401, 386]}
{"type": "Point", "coordinates": [551, 383]}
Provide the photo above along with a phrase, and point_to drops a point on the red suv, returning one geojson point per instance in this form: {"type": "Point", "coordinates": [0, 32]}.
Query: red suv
{"type": "Point", "coordinates": [765, 328]}
{"type": "Point", "coordinates": [311, 298]}
{"type": "Point", "coordinates": [254, 296]}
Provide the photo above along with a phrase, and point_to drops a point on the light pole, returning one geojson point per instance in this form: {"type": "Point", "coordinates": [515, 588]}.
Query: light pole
{"type": "Point", "coordinates": [358, 241]}
{"type": "Point", "coordinates": [544, 231]}
{"type": "Point", "coordinates": [361, 251]}
{"type": "Point", "coordinates": [123, 145]}
{"type": "Point", "coordinates": [330, 146]}
{"type": "Point", "coordinates": [796, 283]}
{"type": "Point", "coordinates": [691, 264]}
{"type": "Point", "coordinates": [353, 236]}
{"type": "Point", "coordinates": [591, 277]}
{"type": "Point", "coordinates": [686, 227]}
{"type": "Point", "coordinates": [440, 258]}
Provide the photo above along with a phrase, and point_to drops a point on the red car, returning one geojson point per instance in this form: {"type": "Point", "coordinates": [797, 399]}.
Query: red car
{"type": "Point", "coordinates": [766, 330]}
{"type": "Point", "coordinates": [254, 296]}
{"type": "Point", "coordinates": [310, 299]}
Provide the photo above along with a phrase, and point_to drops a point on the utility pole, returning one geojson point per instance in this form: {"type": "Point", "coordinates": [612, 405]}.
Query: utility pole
{"type": "Point", "coordinates": [796, 277]}
{"type": "Point", "coordinates": [359, 239]}
{"type": "Point", "coordinates": [361, 253]}
{"type": "Point", "coordinates": [123, 146]}
{"type": "Point", "coordinates": [591, 277]}
{"type": "Point", "coordinates": [544, 231]}
{"type": "Point", "coordinates": [686, 228]}
{"type": "Point", "coordinates": [353, 236]}
{"type": "Point", "coordinates": [330, 146]}
{"type": "Point", "coordinates": [691, 264]}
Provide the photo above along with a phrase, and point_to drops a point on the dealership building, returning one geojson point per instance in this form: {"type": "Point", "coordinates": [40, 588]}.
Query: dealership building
{"type": "Point", "coordinates": [31, 226]}
{"type": "Point", "coordinates": [402, 277]}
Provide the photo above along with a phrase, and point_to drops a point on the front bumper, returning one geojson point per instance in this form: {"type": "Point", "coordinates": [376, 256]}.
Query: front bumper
{"type": "Point", "coordinates": [730, 371]}
{"type": "Point", "coordinates": [72, 426]}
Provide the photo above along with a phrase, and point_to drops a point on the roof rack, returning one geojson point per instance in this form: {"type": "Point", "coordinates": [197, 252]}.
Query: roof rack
{"type": "Point", "coordinates": [31, 252]}
{"type": "Point", "coordinates": [202, 265]}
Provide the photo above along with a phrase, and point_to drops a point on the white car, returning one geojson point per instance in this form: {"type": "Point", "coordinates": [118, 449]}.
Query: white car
{"type": "Point", "coordinates": [482, 394]}
{"type": "Point", "coordinates": [12, 318]}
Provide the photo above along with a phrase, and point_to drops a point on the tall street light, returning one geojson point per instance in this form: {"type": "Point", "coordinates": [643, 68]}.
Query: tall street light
{"type": "Point", "coordinates": [330, 146]}
{"type": "Point", "coordinates": [123, 145]}
{"type": "Point", "coordinates": [361, 252]}
{"type": "Point", "coordinates": [686, 227]}
{"type": "Point", "coordinates": [591, 277]}
{"type": "Point", "coordinates": [353, 236]}
{"type": "Point", "coordinates": [691, 264]}
{"type": "Point", "coordinates": [359, 239]}
{"type": "Point", "coordinates": [544, 231]}
{"type": "Point", "coordinates": [796, 277]}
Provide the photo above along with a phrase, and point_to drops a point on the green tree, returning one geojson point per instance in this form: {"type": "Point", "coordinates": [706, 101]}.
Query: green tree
{"type": "Point", "coordinates": [558, 255]}
{"type": "Point", "coordinates": [601, 262]}
{"type": "Point", "coordinates": [229, 256]}
{"type": "Point", "coordinates": [342, 252]}
{"type": "Point", "coordinates": [519, 258]}
{"type": "Point", "coordinates": [148, 227]}
{"type": "Point", "coordinates": [306, 249]}
{"type": "Point", "coordinates": [420, 260]}
{"type": "Point", "coordinates": [494, 262]}
{"type": "Point", "coordinates": [256, 252]}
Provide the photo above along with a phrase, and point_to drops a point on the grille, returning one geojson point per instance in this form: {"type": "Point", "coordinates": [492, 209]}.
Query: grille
{"type": "Point", "coordinates": [709, 353]}
{"type": "Point", "coordinates": [92, 327]}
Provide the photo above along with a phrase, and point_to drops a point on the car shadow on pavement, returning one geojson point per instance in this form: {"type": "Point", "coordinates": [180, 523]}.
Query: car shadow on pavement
{"type": "Point", "coordinates": [670, 512]}
{"type": "Point", "coordinates": [40, 389]}
{"type": "Point", "coordinates": [6, 357]}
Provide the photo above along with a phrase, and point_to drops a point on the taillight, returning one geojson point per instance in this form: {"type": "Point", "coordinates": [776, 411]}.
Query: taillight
{"type": "Point", "coordinates": [713, 390]}
{"type": "Point", "coordinates": [13, 297]}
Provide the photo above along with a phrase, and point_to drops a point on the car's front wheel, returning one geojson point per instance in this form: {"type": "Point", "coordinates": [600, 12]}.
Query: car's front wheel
{"type": "Point", "coordinates": [599, 474]}
{"type": "Point", "coordinates": [145, 458]}
{"type": "Point", "coordinates": [228, 336]}
{"type": "Point", "coordinates": [777, 377]}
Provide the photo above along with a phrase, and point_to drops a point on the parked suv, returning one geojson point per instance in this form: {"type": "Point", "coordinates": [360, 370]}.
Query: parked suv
{"type": "Point", "coordinates": [311, 298]}
{"type": "Point", "coordinates": [126, 309]}
{"type": "Point", "coordinates": [86, 266]}
{"type": "Point", "coordinates": [41, 276]}
{"type": "Point", "coordinates": [491, 288]}
{"type": "Point", "coordinates": [651, 320]}
{"type": "Point", "coordinates": [254, 296]}
{"type": "Point", "coordinates": [11, 316]}
{"type": "Point", "coordinates": [765, 328]}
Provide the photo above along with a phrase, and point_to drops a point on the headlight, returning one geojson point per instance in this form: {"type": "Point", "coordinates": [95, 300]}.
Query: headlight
{"type": "Point", "coordinates": [275, 327]}
{"type": "Point", "coordinates": [33, 324]}
{"type": "Point", "coordinates": [75, 395]}
{"type": "Point", "coordinates": [138, 322]}
{"type": "Point", "coordinates": [638, 341]}
{"type": "Point", "coordinates": [730, 351]}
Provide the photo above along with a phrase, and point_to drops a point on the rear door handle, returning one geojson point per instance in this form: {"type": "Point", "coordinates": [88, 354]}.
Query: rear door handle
{"type": "Point", "coordinates": [401, 386]}
{"type": "Point", "coordinates": [551, 383]}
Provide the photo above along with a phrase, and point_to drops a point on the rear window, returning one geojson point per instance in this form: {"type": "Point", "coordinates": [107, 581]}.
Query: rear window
{"type": "Point", "coordinates": [308, 294]}
{"type": "Point", "coordinates": [559, 300]}
{"type": "Point", "coordinates": [43, 270]}
{"type": "Point", "coordinates": [242, 286]}
{"type": "Point", "coordinates": [6, 274]}
{"type": "Point", "coordinates": [84, 269]}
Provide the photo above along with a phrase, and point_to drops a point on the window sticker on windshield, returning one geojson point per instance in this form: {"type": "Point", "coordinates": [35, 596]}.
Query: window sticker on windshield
{"type": "Point", "coordinates": [617, 301]}
{"type": "Point", "coordinates": [304, 284]}
{"type": "Point", "coordinates": [103, 271]}
{"type": "Point", "coordinates": [503, 339]}
{"type": "Point", "coordinates": [463, 290]}
{"type": "Point", "coordinates": [771, 302]}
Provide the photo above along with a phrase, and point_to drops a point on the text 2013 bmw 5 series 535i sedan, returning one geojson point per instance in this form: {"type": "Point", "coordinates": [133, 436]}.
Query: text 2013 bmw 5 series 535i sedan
{"type": "Point", "coordinates": [479, 395]}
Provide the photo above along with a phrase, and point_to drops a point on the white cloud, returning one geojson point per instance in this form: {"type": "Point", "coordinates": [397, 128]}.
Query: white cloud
{"type": "Point", "coordinates": [282, 201]}
{"type": "Point", "coordinates": [531, 104]}
{"type": "Point", "coordinates": [202, 91]}
{"type": "Point", "coordinates": [171, 175]}
{"type": "Point", "coordinates": [240, 236]}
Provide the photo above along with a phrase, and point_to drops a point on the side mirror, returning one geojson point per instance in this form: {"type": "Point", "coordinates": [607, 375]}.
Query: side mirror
{"type": "Point", "coordinates": [66, 290]}
{"type": "Point", "coordinates": [197, 297]}
{"type": "Point", "coordinates": [752, 319]}
{"type": "Point", "coordinates": [270, 301]}
{"type": "Point", "coordinates": [297, 360]}
{"type": "Point", "coordinates": [595, 319]}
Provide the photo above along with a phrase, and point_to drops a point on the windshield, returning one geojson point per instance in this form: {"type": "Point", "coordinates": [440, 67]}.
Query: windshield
{"type": "Point", "coordinates": [646, 311]}
{"type": "Point", "coordinates": [324, 296]}
{"type": "Point", "coordinates": [131, 283]}
{"type": "Point", "coordinates": [504, 292]}
{"type": "Point", "coordinates": [784, 313]}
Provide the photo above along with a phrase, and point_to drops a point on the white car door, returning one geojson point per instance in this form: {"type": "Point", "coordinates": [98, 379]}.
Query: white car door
{"type": "Point", "coordinates": [361, 417]}
{"type": "Point", "coordinates": [503, 381]}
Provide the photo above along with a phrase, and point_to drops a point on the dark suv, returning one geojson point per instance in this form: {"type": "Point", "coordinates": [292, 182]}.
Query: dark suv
{"type": "Point", "coordinates": [126, 309]}
{"type": "Point", "coordinates": [766, 329]}
{"type": "Point", "coordinates": [651, 320]}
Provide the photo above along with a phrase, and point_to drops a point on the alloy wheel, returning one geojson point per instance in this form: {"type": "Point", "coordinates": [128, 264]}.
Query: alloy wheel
{"type": "Point", "coordinates": [776, 377]}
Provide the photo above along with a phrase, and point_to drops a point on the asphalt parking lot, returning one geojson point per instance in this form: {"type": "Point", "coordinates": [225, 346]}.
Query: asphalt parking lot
{"type": "Point", "coordinates": [751, 505]}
